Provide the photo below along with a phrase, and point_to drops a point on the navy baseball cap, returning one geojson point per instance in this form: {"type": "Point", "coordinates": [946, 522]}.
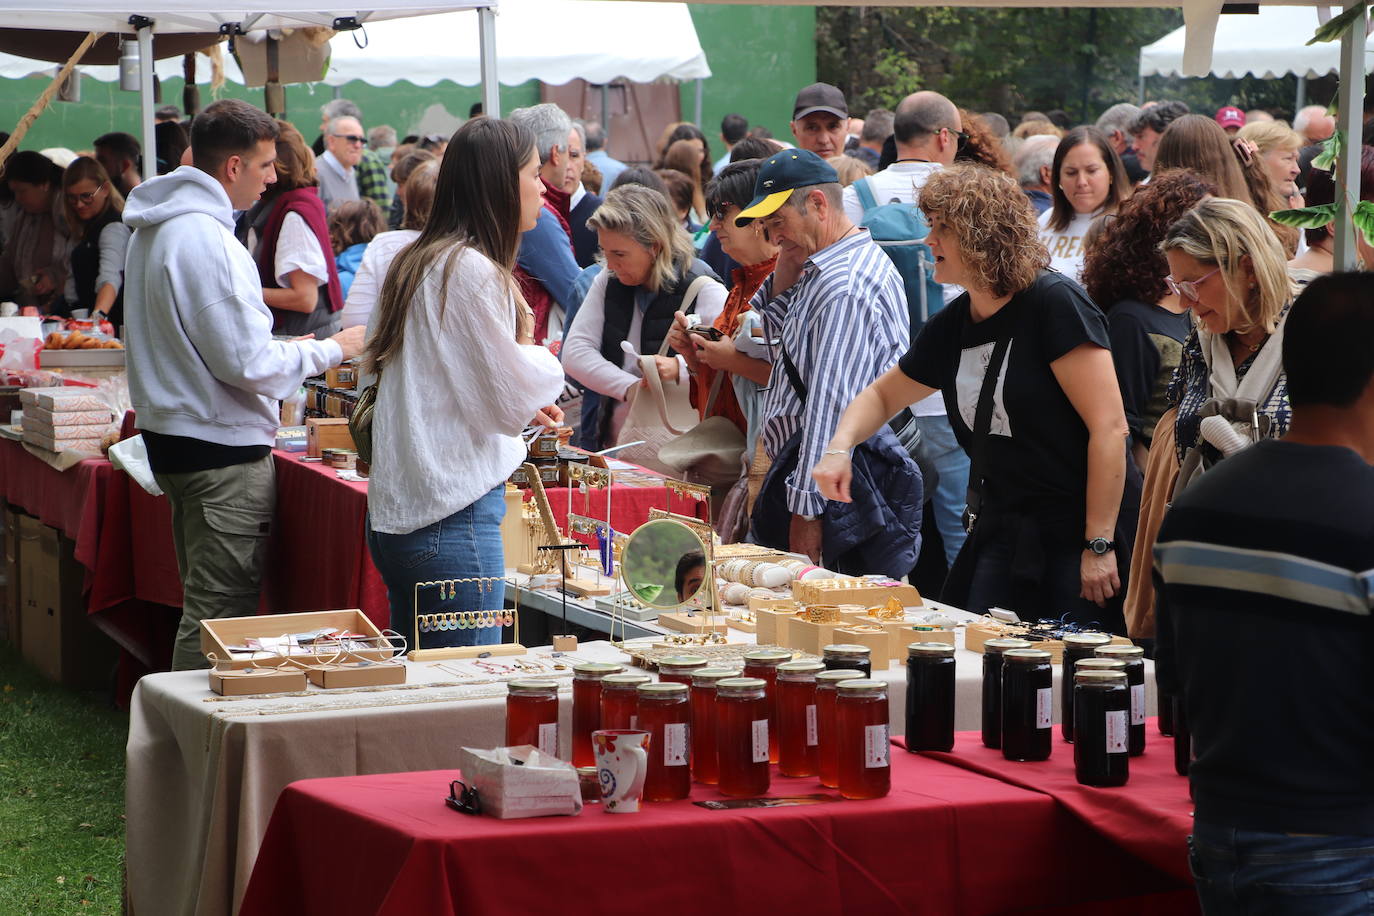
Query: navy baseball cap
{"type": "Point", "coordinates": [781, 174]}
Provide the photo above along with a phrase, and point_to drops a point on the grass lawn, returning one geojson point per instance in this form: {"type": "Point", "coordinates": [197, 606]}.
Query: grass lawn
{"type": "Point", "coordinates": [61, 796]}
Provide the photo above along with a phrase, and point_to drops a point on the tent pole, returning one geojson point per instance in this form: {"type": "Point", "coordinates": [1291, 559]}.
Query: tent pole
{"type": "Point", "coordinates": [1348, 119]}
{"type": "Point", "coordinates": [145, 96]}
{"type": "Point", "coordinates": [491, 88]}
{"type": "Point", "coordinates": [1301, 100]}
{"type": "Point", "coordinates": [697, 120]}
{"type": "Point", "coordinates": [606, 111]}
{"type": "Point", "coordinates": [1140, 90]}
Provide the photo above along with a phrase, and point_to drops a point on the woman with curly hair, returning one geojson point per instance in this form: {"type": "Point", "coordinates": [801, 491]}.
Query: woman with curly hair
{"type": "Point", "coordinates": [1023, 361]}
{"type": "Point", "coordinates": [1124, 274]}
{"type": "Point", "coordinates": [982, 146]}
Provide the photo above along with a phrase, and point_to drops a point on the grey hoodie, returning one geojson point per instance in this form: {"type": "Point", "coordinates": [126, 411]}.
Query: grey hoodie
{"type": "Point", "coordinates": [202, 361]}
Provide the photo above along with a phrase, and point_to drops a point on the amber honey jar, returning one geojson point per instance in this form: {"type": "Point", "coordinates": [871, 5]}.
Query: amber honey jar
{"type": "Point", "coordinates": [827, 748]}
{"type": "Point", "coordinates": [763, 664]}
{"type": "Point", "coordinates": [705, 758]}
{"type": "Point", "coordinates": [532, 714]}
{"type": "Point", "coordinates": [664, 714]}
{"type": "Point", "coordinates": [798, 741]}
{"type": "Point", "coordinates": [678, 668]}
{"type": "Point", "coordinates": [863, 739]}
{"type": "Point", "coordinates": [620, 700]}
{"type": "Point", "coordinates": [742, 736]}
{"type": "Point", "coordinates": [586, 714]}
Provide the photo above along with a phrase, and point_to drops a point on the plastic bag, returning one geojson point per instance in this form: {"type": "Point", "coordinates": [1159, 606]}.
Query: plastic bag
{"type": "Point", "coordinates": [131, 457]}
{"type": "Point", "coordinates": [18, 352]}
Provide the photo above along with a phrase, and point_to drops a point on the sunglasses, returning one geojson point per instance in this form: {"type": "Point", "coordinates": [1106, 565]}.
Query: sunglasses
{"type": "Point", "coordinates": [85, 198]}
{"type": "Point", "coordinates": [351, 138]}
{"type": "Point", "coordinates": [961, 137]}
{"type": "Point", "coordinates": [1187, 288]}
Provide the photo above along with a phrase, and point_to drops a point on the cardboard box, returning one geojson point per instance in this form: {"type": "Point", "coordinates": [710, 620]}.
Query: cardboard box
{"type": "Point", "coordinates": [326, 432]}
{"type": "Point", "coordinates": [976, 634]}
{"type": "Point", "coordinates": [57, 635]}
{"type": "Point", "coordinates": [353, 675]}
{"type": "Point", "coordinates": [216, 636]}
{"type": "Point", "coordinates": [12, 601]}
{"type": "Point", "coordinates": [866, 592]}
{"type": "Point", "coordinates": [243, 684]}
{"type": "Point", "coordinates": [89, 446]}
{"type": "Point", "coordinates": [57, 418]}
{"type": "Point", "coordinates": [63, 398]}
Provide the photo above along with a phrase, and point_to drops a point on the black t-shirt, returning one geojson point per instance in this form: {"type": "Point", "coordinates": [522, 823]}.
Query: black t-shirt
{"type": "Point", "coordinates": [1147, 344]}
{"type": "Point", "coordinates": [1036, 459]}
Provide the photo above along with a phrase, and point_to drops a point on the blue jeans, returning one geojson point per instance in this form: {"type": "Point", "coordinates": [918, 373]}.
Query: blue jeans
{"type": "Point", "coordinates": [1278, 874]}
{"type": "Point", "coordinates": [942, 450]}
{"type": "Point", "coordinates": [465, 545]}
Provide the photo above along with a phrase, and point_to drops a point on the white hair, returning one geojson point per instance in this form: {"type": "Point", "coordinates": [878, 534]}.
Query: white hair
{"type": "Point", "coordinates": [1118, 118]}
{"type": "Point", "coordinates": [549, 124]}
{"type": "Point", "coordinates": [341, 108]}
{"type": "Point", "coordinates": [1033, 154]}
{"type": "Point", "coordinates": [1306, 116]}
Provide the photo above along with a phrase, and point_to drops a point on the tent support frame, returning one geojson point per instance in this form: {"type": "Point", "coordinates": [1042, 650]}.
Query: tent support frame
{"type": "Point", "coordinates": [1348, 119]}
{"type": "Point", "coordinates": [145, 93]}
{"type": "Point", "coordinates": [491, 88]}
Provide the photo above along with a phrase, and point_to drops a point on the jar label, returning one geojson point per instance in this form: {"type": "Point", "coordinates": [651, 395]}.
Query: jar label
{"type": "Point", "coordinates": [1138, 704]}
{"type": "Point", "coordinates": [1044, 704]}
{"type": "Point", "coordinates": [1116, 731]}
{"type": "Point", "coordinates": [548, 738]}
{"type": "Point", "coordinates": [811, 739]}
{"type": "Point", "coordinates": [876, 745]}
{"type": "Point", "coordinates": [760, 748]}
{"type": "Point", "coordinates": [675, 744]}
{"type": "Point", "coordinates": [634, 721]}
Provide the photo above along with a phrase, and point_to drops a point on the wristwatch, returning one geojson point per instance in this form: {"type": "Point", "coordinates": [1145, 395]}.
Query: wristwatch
{"type": "Point", "coordinates": [808, 518]}
{"type": "Point", "coordinates": [1099, 546]}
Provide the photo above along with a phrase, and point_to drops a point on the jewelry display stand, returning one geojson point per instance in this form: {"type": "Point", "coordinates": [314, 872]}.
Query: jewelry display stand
{"type": "Point", "coordinates": [586, 477]}
{"type": "Point", "coordinates": [440, 621]}
{"type": "Point", "coordinates": [542, 528]}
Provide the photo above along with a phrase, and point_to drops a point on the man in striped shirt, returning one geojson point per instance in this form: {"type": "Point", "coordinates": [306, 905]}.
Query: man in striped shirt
{"type": "Point", "coordinates": [1265, 581]}
{"type": "Point", "coordinates": [838, 308]}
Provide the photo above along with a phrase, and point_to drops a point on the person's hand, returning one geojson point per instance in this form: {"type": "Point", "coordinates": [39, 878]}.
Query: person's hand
{"type": "Point", "coordinates": [681, 341]}
{"type": "Point", "coordinates": [550, 417]}
{"type": "Point", "coordinates": [718, 354]}
{"type": "Point", "coordinates": [833, 474]}
{"type": "Point", "coordinates": [42, 282]}
{"type": "Point", "coordinates": [804, 537]}
{"type": "Point", "coordinates": [352, 341]}
{"type": "Point", "coordinates": [667, 369]}
{"type": "Point", "coordinates": [791, 260]}
{"type": "Point", "coordinates": [1099, 577]}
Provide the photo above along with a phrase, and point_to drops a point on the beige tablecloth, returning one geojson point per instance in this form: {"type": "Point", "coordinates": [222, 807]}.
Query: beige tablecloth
{"type": "Point", "coordinates": [204, 772]}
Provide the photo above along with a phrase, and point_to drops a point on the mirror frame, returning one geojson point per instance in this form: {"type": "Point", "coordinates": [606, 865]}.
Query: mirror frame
{"type": "Point", "coordinates": [707, 584]}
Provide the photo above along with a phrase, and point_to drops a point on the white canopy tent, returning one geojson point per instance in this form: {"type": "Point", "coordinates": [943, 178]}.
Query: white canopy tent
{"type": "Point", "coordinates": [550, 40]}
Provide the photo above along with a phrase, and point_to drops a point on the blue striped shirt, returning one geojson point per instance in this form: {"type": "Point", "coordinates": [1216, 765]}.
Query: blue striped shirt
{"type": "Point", "coordinates": [843, 323]}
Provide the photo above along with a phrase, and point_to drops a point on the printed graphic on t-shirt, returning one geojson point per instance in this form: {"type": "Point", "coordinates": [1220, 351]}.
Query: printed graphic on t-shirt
{"type": "Point", "coordinates": [968, 383]}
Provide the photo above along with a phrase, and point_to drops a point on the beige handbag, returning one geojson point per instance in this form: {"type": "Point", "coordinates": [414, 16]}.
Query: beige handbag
{"type": "Point", "coordinates": [710, 452]}
{"type": "Point", "coordinates": [659, 411]}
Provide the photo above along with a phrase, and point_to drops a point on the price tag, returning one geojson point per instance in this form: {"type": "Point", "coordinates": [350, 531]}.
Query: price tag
{"type": "Point", "coordinates": [1116, 731]}
{"type": "Point", "coordinates": [1044, 702]}
{"type": "Point", "coordinates": [675, 744]}
{"type": "Point", "coordinates": [877, 743]}
{"type": "Point", "coordinates": [760, 742]}
{"type": "Point", "coordinates": [548, 738]}
{"type": "Point", "coordinates": [1138, 704]}
{"type": "Point", "coordinates": [811, 739]}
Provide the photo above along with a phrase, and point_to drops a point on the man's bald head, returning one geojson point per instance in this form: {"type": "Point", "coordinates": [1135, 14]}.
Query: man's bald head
{"type": "Point", "coordinates": [927, 126]}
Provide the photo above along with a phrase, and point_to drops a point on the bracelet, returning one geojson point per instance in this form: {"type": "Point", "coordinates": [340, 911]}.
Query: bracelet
{"type": "Point", "coordinates": [835, 451]}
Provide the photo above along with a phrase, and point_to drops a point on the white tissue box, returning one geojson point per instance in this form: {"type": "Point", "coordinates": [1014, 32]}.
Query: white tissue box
{"type": "Point", "coordinates": [537, 786]}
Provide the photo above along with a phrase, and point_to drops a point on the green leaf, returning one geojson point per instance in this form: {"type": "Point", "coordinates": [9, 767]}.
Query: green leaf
{"type": "Point", "coordinates": [1338, 24]}
{"type": "Point", "coordinates": [1363, 217]}
{"type": "Point", "coordinates": [1306, 218]}
{"type": "Point", "coordinates": [1331, 151]}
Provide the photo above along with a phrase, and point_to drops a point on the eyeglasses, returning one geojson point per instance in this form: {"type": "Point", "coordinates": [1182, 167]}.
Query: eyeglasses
{"type": "Point", "coordinates": [1187, 288]}
{"type": "Point", "coordinates": [80, 200]}
{"type": "Point", "coordinates": [961, 137]}
{"type": "Point", "coordinates": [351, 138]}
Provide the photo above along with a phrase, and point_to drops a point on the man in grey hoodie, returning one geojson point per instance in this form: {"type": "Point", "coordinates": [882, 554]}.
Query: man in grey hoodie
{"type": "Point", "coordinates": [205, 374]}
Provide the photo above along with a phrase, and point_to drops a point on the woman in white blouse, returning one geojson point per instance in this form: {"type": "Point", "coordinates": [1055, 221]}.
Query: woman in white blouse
{"type": "Point", "coordinates": [650, 264]}
{"type": "Point", "coordinates": [367, 283]}
{"type": "Point", "coordinates": [1088, 181]}
{"type": "Point", "coordinates": [459, 379]}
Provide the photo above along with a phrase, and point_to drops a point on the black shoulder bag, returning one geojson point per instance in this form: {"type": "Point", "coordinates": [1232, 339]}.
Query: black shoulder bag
{"type": "Point", "coordinates": [982, 425]}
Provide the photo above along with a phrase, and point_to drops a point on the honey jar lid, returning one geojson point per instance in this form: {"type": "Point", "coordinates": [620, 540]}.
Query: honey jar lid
{"type": "Point", "coordinates": [738, 685]}
{"type": "Point", "coordinates": [711, 676]}
{"type": "Point", "coordinates": [839, 675]}
{"type": "Point", "coordinates": [531, 685]}
{"type": "Point", "coordinates": [1096, 677]}
{"type": "Point", "coordinates": [769, 656]}
{"type": "Point", "coordinates": [628, 679]}
{"type": "Point", "coordinates": [663, 690]}
{"type": "Point", "coordinates": [803, 668]}
{"type": "Point", "coordinates": [1026, 656]}
{"type": "Point", "coordinates": [1087, 640]}
{"type": "Point", "coordinates": [683, 661]}
{"type": "Point", "coordinates": [844, 648]}
{"type": "Point", "coordinates": [1003, 644]}
{"type": "Point", "coordinates": [1099, 664]}
{"type": "Point", "coordinates": [930, 649]}
{"type": "Point", "coordinates": [1124, 652]}
{"type": "Point", "coordinates": [861, 687]}
{"type": "Point", "coordinates": [591, 670]}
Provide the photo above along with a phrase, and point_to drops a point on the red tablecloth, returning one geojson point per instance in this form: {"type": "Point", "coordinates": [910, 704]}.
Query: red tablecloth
{"type": "Point", "coordinates": [70, 501]}
{"type": "Point", "coordinates": [1149, 817]}
{"type": "Point", "coordinates": [946, 840]}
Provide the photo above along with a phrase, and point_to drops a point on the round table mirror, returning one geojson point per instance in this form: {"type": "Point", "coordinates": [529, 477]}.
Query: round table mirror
{"type": "Point", "coordinates": [664, 564]}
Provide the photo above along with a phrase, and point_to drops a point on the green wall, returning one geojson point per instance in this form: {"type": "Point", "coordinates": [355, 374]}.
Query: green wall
{"type": "Point", "coordinates": [759, 55]}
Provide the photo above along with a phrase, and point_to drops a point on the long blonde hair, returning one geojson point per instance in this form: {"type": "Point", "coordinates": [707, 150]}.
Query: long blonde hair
{"type": "Point", "coordinates": [1221, 231]}
{"type": "Point", "coordinates": [645, 215]}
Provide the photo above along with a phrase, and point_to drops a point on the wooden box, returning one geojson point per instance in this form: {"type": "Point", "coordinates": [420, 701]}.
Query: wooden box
{"type": "Point", "coordinates": [344, 377]}
{"type": "Point", "coordinates": [976, 634]}
{"type": "Point", "coordinates": [326, 432]}
{"type": "Point", "coordinates": [773, 624]}
{"type": "Point", "coordinates": [865, 592]}
{"type": "Point", "coordinates": [879, 644]}
{"type": "Point", "coordinates": [904, 634]}
{"type": "Point", "coordinates": [693, 623]}
{"type": "Point", "coordinates": [216, 636]}
{"type": "Point", "coordinates": [261, 680]}
{"type": "Point", "coordinates": [809, 637]}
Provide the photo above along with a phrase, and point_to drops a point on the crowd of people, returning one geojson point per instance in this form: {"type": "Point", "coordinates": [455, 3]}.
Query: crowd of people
{"type": "Point", "coordinates": [985, 356]}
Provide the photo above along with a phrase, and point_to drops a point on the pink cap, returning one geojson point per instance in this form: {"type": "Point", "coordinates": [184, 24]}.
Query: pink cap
{"type": "Point", "coordinates": [1230, 116]}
